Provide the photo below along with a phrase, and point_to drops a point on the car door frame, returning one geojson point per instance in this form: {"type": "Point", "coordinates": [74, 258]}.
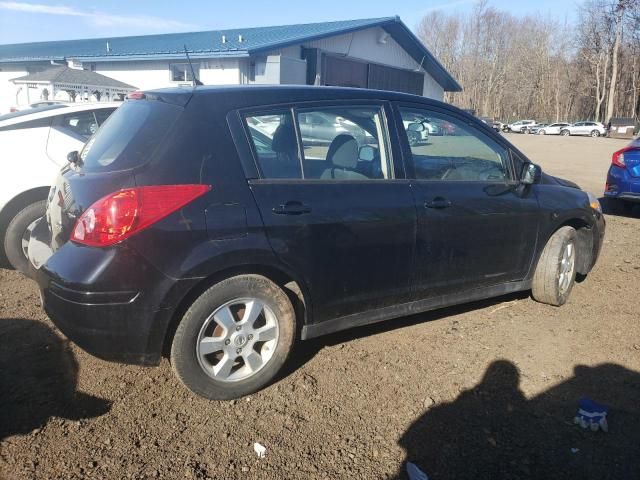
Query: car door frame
{"type": "Point", "coordinates": [513, 175]}
{"type": "Point", "coordinates": [249, 161]}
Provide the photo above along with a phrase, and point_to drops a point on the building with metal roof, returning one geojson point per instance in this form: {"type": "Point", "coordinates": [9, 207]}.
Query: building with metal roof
{"type": "Point", "coordinates": [370, 53]}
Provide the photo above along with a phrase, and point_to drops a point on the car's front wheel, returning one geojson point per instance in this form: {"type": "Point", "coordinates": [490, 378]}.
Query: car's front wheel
{"type": "Point", "coordinates": [556, 270]}
{"type": "Point", "coordinates": [16, 238]}
{"type": "Point", "coordinates": [234, 338]}
{"type": "Point", "coordinates": [542, 132]}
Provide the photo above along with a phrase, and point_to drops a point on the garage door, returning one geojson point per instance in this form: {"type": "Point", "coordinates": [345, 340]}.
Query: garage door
{"type": "Point", "coordinates": [343, 72]}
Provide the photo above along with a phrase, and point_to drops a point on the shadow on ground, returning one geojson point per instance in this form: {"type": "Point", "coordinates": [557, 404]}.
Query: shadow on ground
{"type": "Point", "coordinates": [617, 208]}
{"type": "Point", "coordinates": [305, 351]}
{"type": "Point", "coordinates": [493, 432]}
{"type": "Point", "coordinates": [38, 376]}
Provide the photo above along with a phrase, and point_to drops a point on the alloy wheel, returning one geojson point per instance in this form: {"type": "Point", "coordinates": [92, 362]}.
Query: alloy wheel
{"type": "Point", "coordinates": [566, 268]}
{"type": "Point", "coordinates": [237, 340]}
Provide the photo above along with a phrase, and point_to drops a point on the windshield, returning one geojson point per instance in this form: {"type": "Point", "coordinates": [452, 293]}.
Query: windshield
{"type": "Point", "coordinates": [129, 136]}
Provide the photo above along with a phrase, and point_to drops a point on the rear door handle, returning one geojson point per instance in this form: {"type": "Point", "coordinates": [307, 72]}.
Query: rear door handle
{"type": "Point", "coordinates": [438, 202]}
{"type": "Point", "coordinates": [291, 208]}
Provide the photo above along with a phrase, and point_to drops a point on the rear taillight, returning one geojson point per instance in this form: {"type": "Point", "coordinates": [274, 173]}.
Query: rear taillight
{"type": "Point", "coordinates": [618, 157]}
{"type": "Point", "coordinates": [125, 212]}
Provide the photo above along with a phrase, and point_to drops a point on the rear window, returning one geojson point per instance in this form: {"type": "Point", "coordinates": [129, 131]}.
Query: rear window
{"type": "Point", "coordinates": [129, 136]}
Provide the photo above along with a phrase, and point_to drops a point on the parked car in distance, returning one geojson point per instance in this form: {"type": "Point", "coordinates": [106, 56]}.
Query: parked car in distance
{"type": "Point", "coordinates": [623, 178]}
{"type": "Point", "coordinates": [592, 129]}
{"type": "Point", "coordinates": [34, 144]}
{"type": "Point", "coordinates": [520, 126]}
{"type": "Point", "coordinates": [549, 128]}
{"type": "Point", "coordinates": [498, 126]}
{"type": "Point", "coordinates": [535, 128]}
{"type": "Point", "coordinates": [224, 246]}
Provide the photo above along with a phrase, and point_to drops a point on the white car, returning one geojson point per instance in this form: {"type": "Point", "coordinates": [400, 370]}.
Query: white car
{"type": "Point", "coordinates": [38, 104]}
{"type": "Point", "coordinates": [593, 129]}
{"type": "Point", "coordinates": [521, 126]}
{"type": "Point", "coordinates": [552, 129]}
{"type": "Point", "coordinates": [34, 145]}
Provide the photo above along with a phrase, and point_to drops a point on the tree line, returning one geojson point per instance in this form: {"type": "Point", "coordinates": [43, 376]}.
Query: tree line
{"type": "Point", "coordinates": [541, 68]}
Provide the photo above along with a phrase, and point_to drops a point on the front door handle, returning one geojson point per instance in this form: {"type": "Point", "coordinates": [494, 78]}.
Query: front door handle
{"type": "Point", "coordinates": [438, 202]}
{"type": "Point", "coordinates": [291, 208]}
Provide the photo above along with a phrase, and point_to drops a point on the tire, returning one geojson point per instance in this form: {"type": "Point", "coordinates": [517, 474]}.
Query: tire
{"type": "Point", "coordinates": [595, 133]}
{"type": "Point", "coordinates": [16, 235]}
{"type": "Point", "coordinates": [565, 133]}
{"type": "Point", "coordinates": [196, 368]}
{"type": "Point", "coordinates": [541, 132]}
{"type": "Point", "coordinates": [554, 278]}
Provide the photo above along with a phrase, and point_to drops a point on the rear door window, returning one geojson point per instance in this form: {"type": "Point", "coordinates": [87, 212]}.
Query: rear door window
{"type": "Point", "coordinates": [344, 143]}
{"type": "Point", "coordinates": [83, 124]}
{"type": "Point", "coordinates": [275, 144]}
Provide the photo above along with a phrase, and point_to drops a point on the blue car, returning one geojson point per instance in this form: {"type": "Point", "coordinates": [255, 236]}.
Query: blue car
{"type": "Point", "coordinates": [623, 179]}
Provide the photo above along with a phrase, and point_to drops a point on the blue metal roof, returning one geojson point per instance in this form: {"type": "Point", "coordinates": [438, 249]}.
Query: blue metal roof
{"type": "Point", "coordinates": [210, 44]}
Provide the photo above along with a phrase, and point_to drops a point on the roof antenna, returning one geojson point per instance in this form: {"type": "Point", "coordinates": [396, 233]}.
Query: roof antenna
{"type": "Point", "coordinates": [196, 82]}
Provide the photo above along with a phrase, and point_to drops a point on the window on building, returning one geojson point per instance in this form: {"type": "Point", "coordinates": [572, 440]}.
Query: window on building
{"type": "Point", "coordinates": [181, 72]}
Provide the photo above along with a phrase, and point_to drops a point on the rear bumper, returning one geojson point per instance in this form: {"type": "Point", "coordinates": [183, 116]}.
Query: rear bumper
{"type": "Point", "coordinates": [110, 302]}
{"type": "Point", "coordinates": [622, 185]}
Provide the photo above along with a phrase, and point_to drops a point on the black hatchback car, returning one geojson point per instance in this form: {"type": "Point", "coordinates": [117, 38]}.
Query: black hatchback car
{"type": "Point", "coordinates": [202, 224]}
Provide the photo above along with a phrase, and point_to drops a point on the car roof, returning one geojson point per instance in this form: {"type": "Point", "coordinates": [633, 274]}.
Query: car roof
{"type": "Point", "coordinates": [245, 96]}
{"type": "Point", "coordinates": [52, 111]}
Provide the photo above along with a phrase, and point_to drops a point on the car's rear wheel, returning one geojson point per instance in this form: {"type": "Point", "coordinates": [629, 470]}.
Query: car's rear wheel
{"type": "Point", "coordinates": [595, 133]}
{"type": "Point", "coordinates": [565, 133]}
{"type": "Point", "coordinates": [556, 270]}
{"type": "Point", "coordinates": [234, 338]}
{"type": "Point", "coordinates": [16, 238]}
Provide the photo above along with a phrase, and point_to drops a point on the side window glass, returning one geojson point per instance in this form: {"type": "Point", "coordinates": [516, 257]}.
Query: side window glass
{"type": "Point", "coordinates": [103, 114]}
{"type": "Point", "coordinates": [446, 148]}
{"type": "Point", "coordinates": [275, 144]}
{"type": "Point", "coordinates": [344, 143]}
{"type": "Point", "coordinates": [81, 123]}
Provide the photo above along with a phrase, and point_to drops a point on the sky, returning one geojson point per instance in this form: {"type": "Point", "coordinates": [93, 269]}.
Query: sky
{"type": "Point", "coordinates": [41, 20]}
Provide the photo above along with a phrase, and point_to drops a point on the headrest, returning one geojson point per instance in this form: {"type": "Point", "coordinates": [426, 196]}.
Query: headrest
{"type": "Point", "coordinates": [343, 151]}
{"type": "Point", "coordinates": [284, 139]}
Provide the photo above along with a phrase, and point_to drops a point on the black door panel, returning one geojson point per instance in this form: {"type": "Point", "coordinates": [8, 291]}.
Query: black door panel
{"type": "Point", "coordinates": [353, 241]}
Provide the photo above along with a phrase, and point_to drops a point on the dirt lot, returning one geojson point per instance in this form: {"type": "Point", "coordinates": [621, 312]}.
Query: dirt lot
{"type": "Point", "coordinates": [483, 391]}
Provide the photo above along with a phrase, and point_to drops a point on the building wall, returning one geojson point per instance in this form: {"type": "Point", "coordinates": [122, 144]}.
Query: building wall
{"type": "Point", "coordinates": [157, 74]}
{"type": "Point", "coordinates": [367, 45]}
{"type": "Point", "coordinates": [279, 66]}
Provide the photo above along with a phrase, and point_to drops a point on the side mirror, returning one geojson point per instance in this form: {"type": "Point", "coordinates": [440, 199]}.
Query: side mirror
{"type": "Point", "coordinates": [530, 174]}
{"type": "Point", "coordinates": [416, 127]}
{"type": "Point", "coordinates": [366, 153]}
{"type": "Point", "coordinates": [73, 158]}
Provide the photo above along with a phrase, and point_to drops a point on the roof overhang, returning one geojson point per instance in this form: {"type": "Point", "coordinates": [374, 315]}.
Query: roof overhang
{"type": "Point", "coordinates": [162, 56]}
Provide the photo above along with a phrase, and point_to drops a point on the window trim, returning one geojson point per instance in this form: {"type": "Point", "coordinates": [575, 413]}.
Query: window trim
{"type": "Point", "coordinates": [397, 169]}
{"type": "Point", "coordinates": [475, 125]}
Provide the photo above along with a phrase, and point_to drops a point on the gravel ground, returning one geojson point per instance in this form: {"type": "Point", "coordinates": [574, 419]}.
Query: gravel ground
{"type": "Point", "coordinates": [484, 391]}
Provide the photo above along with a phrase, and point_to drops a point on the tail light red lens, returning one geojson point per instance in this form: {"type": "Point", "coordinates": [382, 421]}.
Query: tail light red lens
{"type": "Point", "coordinates": [123, 213]}
{"type": "Point", "coordinates": [618, 157]}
